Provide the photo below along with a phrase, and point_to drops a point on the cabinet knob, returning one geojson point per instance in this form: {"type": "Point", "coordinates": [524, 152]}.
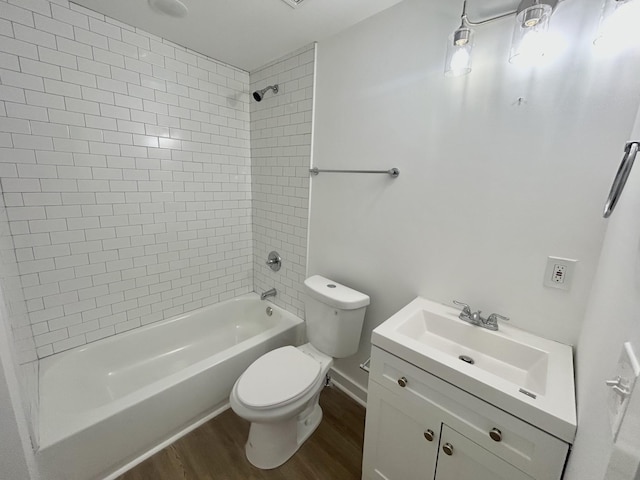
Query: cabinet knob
{"type": "Point", "coordinates": [495, 434]}
{"type": "Point", "coordinates": [402, 381]}
{"type": "Point", "coordinates": [447, 448]}
{"type": "Point", "coordinates": [429, 435]}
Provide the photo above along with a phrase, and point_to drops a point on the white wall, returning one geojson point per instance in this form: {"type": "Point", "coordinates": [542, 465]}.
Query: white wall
{"type": "Point", "coordinates": [489, 185]}
{"type": "Point", "coordinates": [611, 320]}
{"type": "Point", "coordinates": [125, 170]}
{"type": "Point", "coordinates": [280, 158]}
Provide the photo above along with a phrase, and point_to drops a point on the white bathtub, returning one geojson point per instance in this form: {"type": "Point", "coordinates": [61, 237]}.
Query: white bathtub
{"type": "Point", "coordinates": [107, 404]}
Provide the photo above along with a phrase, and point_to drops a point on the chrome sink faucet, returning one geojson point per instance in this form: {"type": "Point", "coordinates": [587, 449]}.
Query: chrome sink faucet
{"type": "Point", "coordinates": [476, 318]}
{"type": "Point", "coordinates": [269, 293]}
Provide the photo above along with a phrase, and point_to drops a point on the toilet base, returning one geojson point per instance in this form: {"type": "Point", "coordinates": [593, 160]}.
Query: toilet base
{"type": "Point", "coordinates": [271, 444]}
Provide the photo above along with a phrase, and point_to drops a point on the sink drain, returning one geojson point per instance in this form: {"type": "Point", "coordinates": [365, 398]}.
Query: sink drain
{"type": "Point", "coordinates": [467, 359]}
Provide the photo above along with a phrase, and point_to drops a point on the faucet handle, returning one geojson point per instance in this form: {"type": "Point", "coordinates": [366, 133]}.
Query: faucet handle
{"type": "Point", "coordinates": [466, 309]}
{"type": "Point", "coordinates": [493, 318]}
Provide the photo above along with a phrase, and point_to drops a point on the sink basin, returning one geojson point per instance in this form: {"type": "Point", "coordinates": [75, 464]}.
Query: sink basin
{"type": "Point", "coordinates": [521, 373]}
{"type": "Point", "coordinates": [511, 360]}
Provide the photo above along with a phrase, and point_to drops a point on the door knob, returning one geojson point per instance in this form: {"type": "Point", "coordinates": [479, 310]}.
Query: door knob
{"type": "Point", "coordinates": [447, 448]}
{"type": "Point", "coordinates": [429, 435]}
{"type": "Point", "coordinates": [402, 381]}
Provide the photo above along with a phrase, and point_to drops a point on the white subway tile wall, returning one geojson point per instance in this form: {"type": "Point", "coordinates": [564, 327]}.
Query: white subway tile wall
{"type": "Point", "coordinates": [281, 156]}
{"type": "Point", "coordinates": [14, 315]}
{"type": "Point", "coordinates": [125, 167]}
{"type": "Point", "coordinates": [12, 303]}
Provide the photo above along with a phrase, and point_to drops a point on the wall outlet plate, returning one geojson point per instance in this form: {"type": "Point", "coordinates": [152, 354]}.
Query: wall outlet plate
{"type": "Point", "coordinates": [627, 372]}
{"type": "Point", "coordinates": [559, 272]}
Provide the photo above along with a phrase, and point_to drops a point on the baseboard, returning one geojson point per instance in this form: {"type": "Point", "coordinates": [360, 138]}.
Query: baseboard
{"type": "Point", "coordinates": [347, 385]}
{"type": "Point", "coordinates": [176, 436]}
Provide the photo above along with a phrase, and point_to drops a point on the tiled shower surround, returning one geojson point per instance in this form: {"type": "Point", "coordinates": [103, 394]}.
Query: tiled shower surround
{"type": "Point", "coordinates": [12, 304]}
{"type": "Point", "coordinates": [280, 153]}
{"type": "Point", "coordinates": [13, 311]}
{"type": "Point", "coordinates": [125, 166]}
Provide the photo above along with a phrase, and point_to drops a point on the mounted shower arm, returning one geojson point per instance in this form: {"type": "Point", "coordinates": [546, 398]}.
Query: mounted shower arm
{"type": "Point", "coordinates": [258, 95]}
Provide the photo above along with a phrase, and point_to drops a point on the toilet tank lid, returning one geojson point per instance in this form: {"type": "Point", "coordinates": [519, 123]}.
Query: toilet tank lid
{"type": "Point", "coordinates": [334, 294]}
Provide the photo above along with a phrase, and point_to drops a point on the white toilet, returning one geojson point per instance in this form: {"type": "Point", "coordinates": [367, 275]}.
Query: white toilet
{"type": "Point", "coordinates": [279, 392]}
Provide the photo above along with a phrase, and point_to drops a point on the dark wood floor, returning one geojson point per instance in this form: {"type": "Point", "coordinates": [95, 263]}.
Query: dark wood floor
{"type": "Point", "coordinates": [215, 451]}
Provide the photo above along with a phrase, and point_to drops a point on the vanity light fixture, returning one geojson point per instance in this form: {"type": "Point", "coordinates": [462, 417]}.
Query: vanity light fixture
{"type": "Point", "coordinates": [618, 23]}
{"type": "Point", "coordinates": [531, 31]}
{"type": "Point", "coordinates": [459, 47]}
{"type": "Point", "coordinates": [528, 41]}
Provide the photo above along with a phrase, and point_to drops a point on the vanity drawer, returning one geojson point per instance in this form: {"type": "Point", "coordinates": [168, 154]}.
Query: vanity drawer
{"type": "Point", "coordinates": [524, 446]}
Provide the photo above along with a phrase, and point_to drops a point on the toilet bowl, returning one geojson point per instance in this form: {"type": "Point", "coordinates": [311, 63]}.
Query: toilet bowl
{"type": "Point", "coordinates": [279, 395]}
{"type": "Point", "coordinates": [279, 392]}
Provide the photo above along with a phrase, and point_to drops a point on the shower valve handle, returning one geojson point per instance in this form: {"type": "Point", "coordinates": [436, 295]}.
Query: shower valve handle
{"type": "Point", "coordinates": [274, 261]}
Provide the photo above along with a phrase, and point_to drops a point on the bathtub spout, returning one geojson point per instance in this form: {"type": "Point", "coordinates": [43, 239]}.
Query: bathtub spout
{"type": "Point", "coordinates": [268, 293]}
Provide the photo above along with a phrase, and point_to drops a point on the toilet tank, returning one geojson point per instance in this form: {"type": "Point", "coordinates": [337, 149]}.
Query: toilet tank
{"type": "Point", "coordinates": [334, 315]}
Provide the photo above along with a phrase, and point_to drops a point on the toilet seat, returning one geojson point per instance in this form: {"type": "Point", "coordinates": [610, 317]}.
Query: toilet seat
{"type": "Point", "coordinates": [279, 377]}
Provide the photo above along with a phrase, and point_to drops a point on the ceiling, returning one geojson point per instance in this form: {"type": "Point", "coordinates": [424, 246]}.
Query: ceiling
{"type": "Point", "coordinates": [251, 33]}
{"type": "Point", "coordinates": [244, 33]}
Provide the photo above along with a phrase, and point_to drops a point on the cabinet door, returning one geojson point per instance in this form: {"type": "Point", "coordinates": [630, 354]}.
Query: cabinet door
{"type": "Point", "coordinates": [461, 459]}
{"type": "Point", "coordinates": [401, 438]}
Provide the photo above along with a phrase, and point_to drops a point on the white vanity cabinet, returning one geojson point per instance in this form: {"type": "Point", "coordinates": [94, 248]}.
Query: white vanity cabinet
{"type": "Point", "coordinates": [421, 427]}
{"type": "Point", "coordinates": [401, 437]}
{"type": "Point", "coordinates": [463, 459]}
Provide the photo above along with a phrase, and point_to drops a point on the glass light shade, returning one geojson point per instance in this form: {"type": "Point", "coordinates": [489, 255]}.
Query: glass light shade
{"type": "Point", "coordinates": [618, 23]}
{"type": "Point", "coordinates": [530, 34]}
{"type": "Point", "coordinates": [459, 48]}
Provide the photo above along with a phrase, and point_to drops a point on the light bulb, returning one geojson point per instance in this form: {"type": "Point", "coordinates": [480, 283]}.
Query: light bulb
{"type": "Point", "coordinates": [532, 46]}
{"type": "Point", "coordinates": [460, 60]}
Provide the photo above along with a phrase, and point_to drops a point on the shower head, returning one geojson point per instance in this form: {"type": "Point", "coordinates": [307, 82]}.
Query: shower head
{"type": "Point", "coordinates": [258, 95]}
